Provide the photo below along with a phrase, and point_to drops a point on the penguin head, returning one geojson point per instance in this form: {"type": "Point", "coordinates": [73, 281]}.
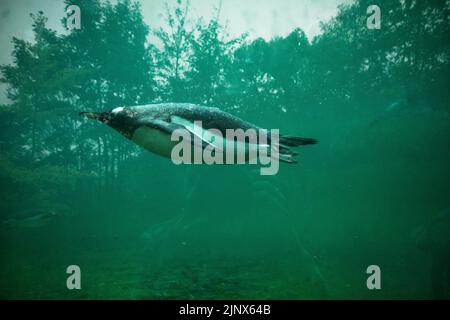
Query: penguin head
{"type": "Point", "coordinates": [120, 119]}
{"type": "Point", "coordinates": [106, 117]}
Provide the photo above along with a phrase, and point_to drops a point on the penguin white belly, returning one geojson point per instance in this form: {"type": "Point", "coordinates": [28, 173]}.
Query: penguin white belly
{"type": "Point", "coordinates": [153, 140]}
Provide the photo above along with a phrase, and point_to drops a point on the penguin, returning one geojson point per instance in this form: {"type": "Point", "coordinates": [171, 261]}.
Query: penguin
{"type": "Point", "coordinates": [151, 126]}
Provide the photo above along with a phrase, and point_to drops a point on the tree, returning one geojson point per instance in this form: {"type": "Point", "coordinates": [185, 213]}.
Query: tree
{"type": "Point", "coordinates": [107, 63]}
{"type": "Point", "coordinates": [210, 64]}
{"type": "Point", "coordinates": [172, 59]}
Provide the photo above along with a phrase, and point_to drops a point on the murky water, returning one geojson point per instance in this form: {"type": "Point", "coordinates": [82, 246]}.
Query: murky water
{"type": "Point", "coordinates": [374, 190]}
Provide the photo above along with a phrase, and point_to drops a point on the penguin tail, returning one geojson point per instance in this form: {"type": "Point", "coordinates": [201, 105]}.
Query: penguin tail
{"type": "Point", "coordinates": [287, 158]}
{"type": "Point", "coordinates": [285, 154]}
{"type": "Point", "coordinates": [285, 150]}
{"type": "Point", "coordinates": [293, 141]}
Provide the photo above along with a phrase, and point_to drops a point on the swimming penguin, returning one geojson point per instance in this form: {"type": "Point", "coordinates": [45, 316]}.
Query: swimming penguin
{"type": "Point", "coordinates": [150, 126]}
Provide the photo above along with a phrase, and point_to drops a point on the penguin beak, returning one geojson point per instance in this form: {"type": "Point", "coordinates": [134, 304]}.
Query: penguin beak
{"type": "Point", "coordinates": [93, 115]}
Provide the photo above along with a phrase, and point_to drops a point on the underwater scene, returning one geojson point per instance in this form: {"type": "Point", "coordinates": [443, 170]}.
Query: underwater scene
{"type": "Point", "coordinates": [344, 191]}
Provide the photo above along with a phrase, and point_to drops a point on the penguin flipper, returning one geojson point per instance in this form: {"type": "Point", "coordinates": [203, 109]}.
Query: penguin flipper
{"type": "Point", "coordinates": [206, 136]}
{"type": "Point", "coordinates": [170, 127]}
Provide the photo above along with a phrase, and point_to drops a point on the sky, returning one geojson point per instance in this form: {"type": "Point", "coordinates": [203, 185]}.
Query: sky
{"type": "Point", "coordinates": [259, 18]}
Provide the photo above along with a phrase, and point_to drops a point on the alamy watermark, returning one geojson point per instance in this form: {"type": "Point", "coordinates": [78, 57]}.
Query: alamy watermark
{"type": "Point", "coordinates": [374, 20]}
{"type": "Point", "coordinates": [74, 280]}
{"type": "Point", "coordinates": [73, 17]}
{"type": "Point", "coordinates": [199, 146]}
{"type": "Point", "coordinates": [374, 280]}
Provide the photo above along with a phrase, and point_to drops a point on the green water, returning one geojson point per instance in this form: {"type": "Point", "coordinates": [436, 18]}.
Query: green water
{"type": "Point", "coordinates": [140, 227]}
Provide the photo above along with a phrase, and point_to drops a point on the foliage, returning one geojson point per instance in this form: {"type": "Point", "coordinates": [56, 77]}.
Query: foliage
{"type": "Point", "coordinates": [112, 62]}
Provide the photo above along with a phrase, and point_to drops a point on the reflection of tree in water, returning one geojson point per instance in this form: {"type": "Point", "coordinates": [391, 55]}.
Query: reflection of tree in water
{"type": "Point", "coordinates": [234, 234]}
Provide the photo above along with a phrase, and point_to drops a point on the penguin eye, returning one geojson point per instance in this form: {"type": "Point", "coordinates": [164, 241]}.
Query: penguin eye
{"type": "Point", "coordinates": [115, 112]}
